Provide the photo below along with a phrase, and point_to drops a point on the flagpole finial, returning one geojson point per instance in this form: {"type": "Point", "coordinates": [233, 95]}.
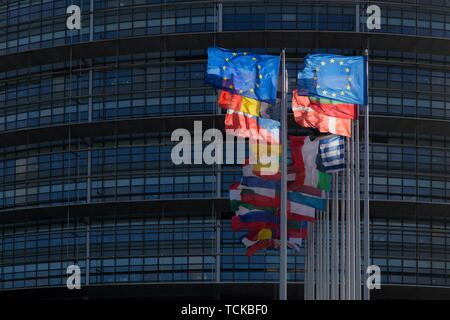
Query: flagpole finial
{"type": "Point", "coordinates": [366, 52]}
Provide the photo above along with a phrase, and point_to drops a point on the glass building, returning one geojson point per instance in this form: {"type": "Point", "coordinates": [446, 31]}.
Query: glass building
{"type": "Point", "coordinates": [86, 118]}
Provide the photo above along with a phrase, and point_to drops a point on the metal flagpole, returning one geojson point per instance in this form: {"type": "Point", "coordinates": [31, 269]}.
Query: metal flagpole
{"type": "Point", "coordinates": [366, 180]}
{"type": "Point", "coordinates": [342, 242]}
{"type": "Point", "coordinates": [305, 268]}
{"type": "Point", "coordinates": [319, 251]}
{"type": "Point", "coordinates": [307, 280]}
{"type": "Point", "coordinates": [319, 254]}
{"type": "Point", "coordinates": [324, 243]}
{"type": "Point", "coordinates": [325, 254]}
{"type": "Point", "coordinates": [327, 249]}
{"type": "Point", "coordinates": [313, 263]}
{"type": "Point", "coordinates": [347, 224]}
{"type": "Point", "coordinates": [357, 212]}
{"type": "Point", "coordinates": [336, 245]}
{"type": "Point", "coordinates": [283, 194]}
{"type": "Point", "coordinates": [322, 254]}
{"type": "Point", "coordinates": [334, 239]}
{"type": "Point", "coordinates": [307, 276]}
{"type": "Point", "coordinates": [352, 218]}
{"type": "Point", "coordinates": [311, 260]}
{"type": "Point", "coordinates": [318, 258]}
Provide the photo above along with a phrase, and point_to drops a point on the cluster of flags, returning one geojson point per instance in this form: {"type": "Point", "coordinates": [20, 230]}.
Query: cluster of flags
{"type": "Point", "coordinates": [329, 89]}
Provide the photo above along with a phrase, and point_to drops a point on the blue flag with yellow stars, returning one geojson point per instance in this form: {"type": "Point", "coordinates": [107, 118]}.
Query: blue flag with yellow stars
{"type": "Point", "coordinates": [250, 75]}
{"type": "Point", "coordinates": [334, 77]}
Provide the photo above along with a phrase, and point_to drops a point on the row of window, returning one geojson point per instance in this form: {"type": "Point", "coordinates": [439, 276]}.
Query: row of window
{"type": "Point", "coordinates": [155, 57]}
{"type": "Point", "coordinates": [409, 250]}
{"type": "Point", "coordinates": [188, 75]}
{"type": "Point", "coordinates": [26, 11]}
{"type": "Point", "coordinates": [26, 106]}
{"type": "Point", "coordinates": [17, 36]}
{"type": "Point", "coordinates": [401, 158]}
{"type": "Point", "coordinates": [157, 158]}
{"type": "Point", "coordinates": [193, 185]}
{"type": "Point", "coordinates": [124, 23]}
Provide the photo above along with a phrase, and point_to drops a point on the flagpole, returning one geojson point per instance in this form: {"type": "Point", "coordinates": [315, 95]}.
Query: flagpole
{"type": "Point", "coordinates": [283, 193]}
{"type": "Point", "coordinates": [366, 180]}
{"type": "Point", "coordinates": [342, 238]}
{"type": "Point", "coordinates": [307, 281]}
{"type": "Point", "coordinates": [334, 239]}
{"type": "Point", "coordinates": [347, 222]}
{"type": "Point", "coordinates": [317, 253]}
{"type": "Point", "coordinates": [327, 249]}
{"type": "Point", "coordinates": [305, 267]}
{"type": "Point", "coordinates": [313, 263]}
{"type": "Point", "coordinates": [321, 254]}
{"type": "Point", "coordinates": [352, 217]}
{"type": "Point", "coordinates": [357, 212]}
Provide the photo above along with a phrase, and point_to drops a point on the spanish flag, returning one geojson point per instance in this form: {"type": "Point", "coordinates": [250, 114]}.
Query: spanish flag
{"type": "Point", "coordinates": [228, 100]}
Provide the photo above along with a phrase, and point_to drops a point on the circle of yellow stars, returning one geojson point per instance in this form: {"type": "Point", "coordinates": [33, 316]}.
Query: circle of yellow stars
{"type": "Point", "coordinates": [231, 87]}
{"type": "Point", "coordinates": [333, 94]}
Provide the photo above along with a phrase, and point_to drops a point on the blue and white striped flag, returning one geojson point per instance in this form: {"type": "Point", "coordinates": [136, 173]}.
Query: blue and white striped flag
{"type": "Point", "coordinates": [331, 156]}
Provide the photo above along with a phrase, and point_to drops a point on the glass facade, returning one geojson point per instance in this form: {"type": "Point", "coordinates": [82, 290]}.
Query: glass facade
{"type": "Point", "coordinates": [170, 249]}
{"type": "Point", "coordinates": [60, 165]}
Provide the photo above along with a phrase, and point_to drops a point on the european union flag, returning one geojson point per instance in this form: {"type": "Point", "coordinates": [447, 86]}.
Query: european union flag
{"type": "Point", "coordinates": [250, 75]}
{"type": "Point", "coordinates": [334, 77]}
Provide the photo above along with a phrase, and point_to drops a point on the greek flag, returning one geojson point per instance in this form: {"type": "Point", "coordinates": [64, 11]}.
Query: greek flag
{"type": "Point", "coordinates": [331, 154]}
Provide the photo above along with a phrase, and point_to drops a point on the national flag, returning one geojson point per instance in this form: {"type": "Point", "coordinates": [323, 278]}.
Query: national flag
{"type": "Point", "coordinates": [304, 153]}
{"type": "Point", "coordinates": [248, 199]}
{"type": "Point", "coordinates": [254, 224]}
{"type": "Point", "coordinates": [245, 125]}
{"type": "Point", "coordinates": [296, 243]}
{"type": "Point", "coordinates": [245, 209]}
{"type": "Point", "coordinates": [267, 188]}
{"type": "Point", "coordinates": [250, 75]}
{"type": "Point", "coordinates": [269, 238]}
{"type": "Point", "coordinates": [262, 244]}
{"type": "Point", "coordinates": [318, 203]}
{"type": "Point", "coordinates": [324, 182]}
{"type": "Point", "coordinates": [332, 108]}
{"type": "Point", "coordinates": [334, 77]}
{"type": "Point", "coordinates": [303, 201]}
{"type": "Point", "coordinates": [235, 192]}
{"type": "Point", "coordinates": [249, 196]}
{"type": "Point", "coordinates": [228, 100]}
{"type": "Point", "coordinates": [254, 170]}
{"type": "Point", "coordinates": [259, 216]}
{"type": "Point", "coordinates": [238, 205]}
{"type": "Point", "coordinates": [331, 156]}
{"type": "Point", "coordinates": [304, 212]}
{"type": "Point", "coordinates": [237, 224]}
{"type": "Point", "coordinates": [270, 188]}
{"type": "Point", "coordinates": [256, 182]}
{"type": "Point", "coordinates": [257, 220]}
{"type": "Point", "coordinates": [308, 118]}
{"type": "Point", "coordinates": [254, 246]}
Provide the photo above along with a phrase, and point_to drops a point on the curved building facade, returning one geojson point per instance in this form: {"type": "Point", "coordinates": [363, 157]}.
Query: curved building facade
{"type": "Point", "coordinates": [86, 118]}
